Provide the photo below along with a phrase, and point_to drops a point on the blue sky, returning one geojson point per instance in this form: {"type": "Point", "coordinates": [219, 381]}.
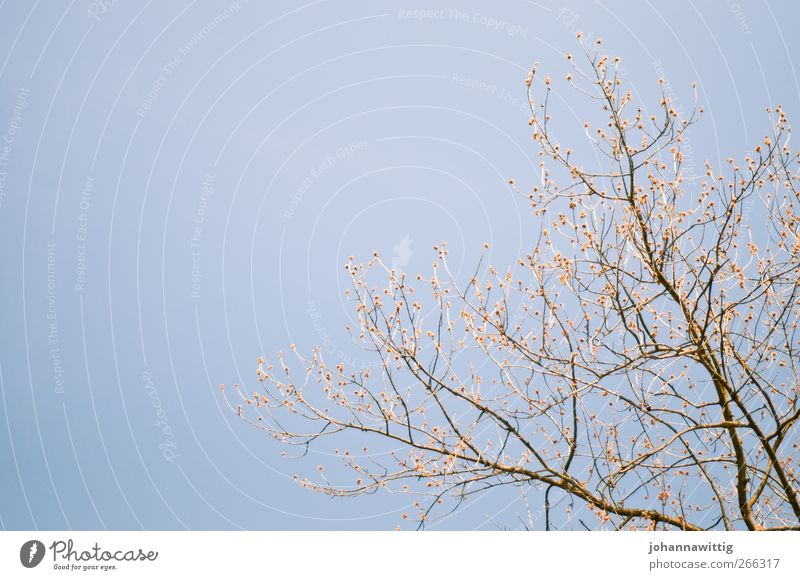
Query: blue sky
{"type": "Point", "coordinates": [181, 183]}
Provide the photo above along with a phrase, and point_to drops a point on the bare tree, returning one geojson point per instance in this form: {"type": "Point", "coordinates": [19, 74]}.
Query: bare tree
{"type": "Point", "coordinates": [642, 359]}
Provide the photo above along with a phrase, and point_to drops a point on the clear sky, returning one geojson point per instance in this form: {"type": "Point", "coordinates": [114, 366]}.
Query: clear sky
{"type": "Point", "coordinates": [181, 183]}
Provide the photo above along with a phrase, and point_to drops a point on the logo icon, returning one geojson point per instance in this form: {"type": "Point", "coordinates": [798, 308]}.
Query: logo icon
{"type": "Point", "coordinates": [402, 253]}
{"type": "Point", "coordinates": [31, 553]}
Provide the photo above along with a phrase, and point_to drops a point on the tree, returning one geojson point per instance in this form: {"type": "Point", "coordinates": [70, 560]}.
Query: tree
{"type": "Point", "coordinates": [642, 358]}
